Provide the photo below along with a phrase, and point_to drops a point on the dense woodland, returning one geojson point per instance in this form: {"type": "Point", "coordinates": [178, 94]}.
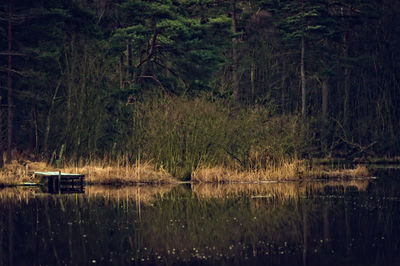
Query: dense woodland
{"type": "Point", "coordinates": [190, 82]}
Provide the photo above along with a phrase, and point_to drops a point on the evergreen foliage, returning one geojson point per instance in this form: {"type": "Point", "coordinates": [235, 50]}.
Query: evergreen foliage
{"type": "Point", "coordinates": [85, 74]}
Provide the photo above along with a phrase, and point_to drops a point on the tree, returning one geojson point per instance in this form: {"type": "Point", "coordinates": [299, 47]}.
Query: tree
{"type": "Point", "coordinates": [303, 25]}
{"type": "Point", "coordinates": [9, 82]}
{"type": "Point", "coordinates": [235, 62]}
{"type": "Point", "coordinates": [171, 43]}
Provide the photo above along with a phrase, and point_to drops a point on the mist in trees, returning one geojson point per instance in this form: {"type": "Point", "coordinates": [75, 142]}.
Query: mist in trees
{"type": "Point", "coordinates": [72, 73]}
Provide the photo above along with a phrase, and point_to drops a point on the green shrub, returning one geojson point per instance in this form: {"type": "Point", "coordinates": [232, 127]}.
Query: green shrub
{"type": "Point", "coordinates": [178, 134]}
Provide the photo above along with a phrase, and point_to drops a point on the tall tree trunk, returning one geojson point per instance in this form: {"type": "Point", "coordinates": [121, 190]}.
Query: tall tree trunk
{"type": "Point", "coordinates": [71, 65]}
{"type": "Point", "coordinates": [9, 83]}
{"type": "Point", "coordinates": [121, 57]}
{"type": "Point", "coordinates": [324, 91]}
{"type": "Point", "coordinates": [235, 76]}
{"type": "Point", "coordinates": [35, 131]}
{"type": "Point", "coordinates": [48, 120]}
{"type": "Point", "coordinates": [121, 74]}
{"type": "Point", "coordinates": [302, 70]}
{"type": "Point", "coordinates": [130, 60]}
{"type": "Point", "coordinates": [144, 61]}
{"type": "Point", "coordinates": [252, 77]}
{"type": "Point", "coordinates": [283, 95]}
{"type": "Point", "coordinates": [346, 74]}
{"type": "Point", "coordinates": [346, 92]}
{"type": "Point", "coordinates": [303, 79]}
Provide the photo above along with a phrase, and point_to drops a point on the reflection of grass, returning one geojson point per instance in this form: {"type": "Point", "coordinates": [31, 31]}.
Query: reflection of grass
{"type": "Point", "coordinates": [150, 193]}
{"type": "Point", "coordinates": [282, 191]}
{"type": "Point", "coordinates": [144, 194]}
{"type": "Point", "coordinates": [18, 194]}
{"type": "Point", "coordinates": [176, 227]}
{"type": "Point", "coordinates": [185, 225]}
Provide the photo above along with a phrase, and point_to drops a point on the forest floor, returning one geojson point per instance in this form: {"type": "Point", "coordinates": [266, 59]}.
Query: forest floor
{"type": "Point", "coordinates": [20, 172]}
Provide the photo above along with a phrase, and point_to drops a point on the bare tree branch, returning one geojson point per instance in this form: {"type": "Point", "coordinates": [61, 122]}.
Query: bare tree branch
{"type": "Point", "coordinates": [151, 52]}
{"type": "Point", "coordinates": [7, 53]}
{"type": "Point", "coordinates": [153, 78]}
{"type": "Point", "coordinates": [22, 74]}
{"type": "Point", "coordinates": [171, 71]}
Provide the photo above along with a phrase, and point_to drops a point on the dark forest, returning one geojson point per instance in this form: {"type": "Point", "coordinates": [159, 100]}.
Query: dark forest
{"type": "Point", "coordinates": [183, 83]}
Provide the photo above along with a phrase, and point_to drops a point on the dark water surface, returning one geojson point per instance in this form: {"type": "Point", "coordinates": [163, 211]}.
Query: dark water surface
{"type": "Point", "coordinates": [319, 223]}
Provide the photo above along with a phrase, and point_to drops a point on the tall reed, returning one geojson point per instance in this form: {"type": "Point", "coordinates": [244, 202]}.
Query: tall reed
{"type": "Point", "coordinates": [179, 134]}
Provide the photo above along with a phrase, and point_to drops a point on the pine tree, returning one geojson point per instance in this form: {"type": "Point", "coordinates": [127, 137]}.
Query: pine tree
{"type": "Point", "coordinates": [171, 44]}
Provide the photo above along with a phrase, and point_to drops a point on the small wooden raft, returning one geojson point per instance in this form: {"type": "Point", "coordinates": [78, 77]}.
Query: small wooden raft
{"type": "Point", "coordinates": [57, 180]}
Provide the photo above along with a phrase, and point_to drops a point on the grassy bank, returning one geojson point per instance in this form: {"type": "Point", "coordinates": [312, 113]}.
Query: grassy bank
{"type": "Point", "coordinates": [146, 173]}
{"type": "Point", "coordinates": [95, 173]}
{"type": "Point", "coordinates": [295, 171]}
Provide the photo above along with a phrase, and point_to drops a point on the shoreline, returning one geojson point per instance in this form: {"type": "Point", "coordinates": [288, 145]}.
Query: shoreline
{"type": "Point", "coordinates": [21, 174]}
{"type": "Point", "coordinates": [148, 184]}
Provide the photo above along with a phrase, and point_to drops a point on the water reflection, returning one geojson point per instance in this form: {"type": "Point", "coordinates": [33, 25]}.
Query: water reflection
{"type": "Point", "coordinates": [326, 223]}
{"type": "Point", "coordinates": [282, 191]}
{"type": "Point", "coordinates": [140, 194]}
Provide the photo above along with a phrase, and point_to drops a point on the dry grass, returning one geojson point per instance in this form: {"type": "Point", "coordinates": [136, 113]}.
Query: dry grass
{"type": "Point", "coordinates": [145, 173]}
{"type": "Point", "coordinates": [122, 175]}
{"type": "Point", "coordinates": [17, 172]}
{"type": "Point", "coordinates": [96, 173]}
{"type": "Point", "coordinates": [288, 171]}
{"type": "Point", "coordinates": [296, 170]}
{"type": "Point", "coordinates": [360, 171]}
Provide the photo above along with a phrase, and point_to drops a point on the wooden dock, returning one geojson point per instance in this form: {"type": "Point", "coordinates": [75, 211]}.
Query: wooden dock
{"type": "Point", "coordinates": [57, 181]}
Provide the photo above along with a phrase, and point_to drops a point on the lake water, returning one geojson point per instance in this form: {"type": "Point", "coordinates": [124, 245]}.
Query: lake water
{"type": "Point", "coordinates": [318, 223]}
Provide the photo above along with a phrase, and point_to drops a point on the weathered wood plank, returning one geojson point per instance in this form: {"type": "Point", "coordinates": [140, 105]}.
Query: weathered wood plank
{"type": "Point", "coordinates": [57, 181]}
{"type": "Point", "coordinates": [63, 175]}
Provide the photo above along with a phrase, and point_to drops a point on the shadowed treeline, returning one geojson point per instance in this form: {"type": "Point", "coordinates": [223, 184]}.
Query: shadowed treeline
{"type": "Point", "coordinates": [244, 85]}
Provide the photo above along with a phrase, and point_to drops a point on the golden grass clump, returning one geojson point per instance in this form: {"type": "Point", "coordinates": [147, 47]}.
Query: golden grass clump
{"type": "Point", "coordinates": [145, 173]}
{"type": "Point", "coordinates": [360, 171]}
{"type": "Point", "coordinates": [121, 175]}
{"type": "Point", "coordinates": [287, 171]}
{"type": "Point", "coordinates": [17, 172]}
